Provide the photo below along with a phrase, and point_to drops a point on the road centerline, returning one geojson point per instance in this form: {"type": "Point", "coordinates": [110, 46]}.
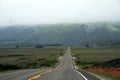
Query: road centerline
{"type": "Point", "coordinates": [64, 71]}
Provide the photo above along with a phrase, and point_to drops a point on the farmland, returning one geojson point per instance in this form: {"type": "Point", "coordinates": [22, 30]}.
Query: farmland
{"type": "Point", "coordinates": [24, 58]}
{"type": "Point", "coordinates": [94, 55]}
{"type": "Point", "coordinates": [90, 59]}
{"type": "Point", "coordinates": [99, 60]}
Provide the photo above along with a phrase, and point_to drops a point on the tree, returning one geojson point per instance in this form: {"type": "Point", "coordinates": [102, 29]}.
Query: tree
{"type": "Point", "coordinates": [39, 46]}
{"type": "Point", "coordinates": [17, 46]}
{"type": "Point", "coordinates": [87, 46]}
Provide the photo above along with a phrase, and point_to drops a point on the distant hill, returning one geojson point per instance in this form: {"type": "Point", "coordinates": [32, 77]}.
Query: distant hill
{"type": "Point", "coordinates": [100, 34]}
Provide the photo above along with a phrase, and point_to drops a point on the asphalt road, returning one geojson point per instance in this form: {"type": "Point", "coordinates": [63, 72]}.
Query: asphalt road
{"type": "Point", "coordinates": [64, 71]}
{"type": "Point", "coordinates": [21, 75]}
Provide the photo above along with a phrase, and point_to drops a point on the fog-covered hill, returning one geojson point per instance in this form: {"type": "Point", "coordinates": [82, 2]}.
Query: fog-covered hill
{"type": "Point", "coordinates": [65, 34]}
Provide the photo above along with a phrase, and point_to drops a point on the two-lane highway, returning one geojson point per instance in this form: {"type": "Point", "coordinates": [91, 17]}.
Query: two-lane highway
{"type": "Point", "coordinates": [64, 71]}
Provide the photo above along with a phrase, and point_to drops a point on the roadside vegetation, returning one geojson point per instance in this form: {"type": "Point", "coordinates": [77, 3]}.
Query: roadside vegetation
{"type": "Point", "coordinates": [99, 60]}
{"type": "Point", "coordinates": [26, 58]}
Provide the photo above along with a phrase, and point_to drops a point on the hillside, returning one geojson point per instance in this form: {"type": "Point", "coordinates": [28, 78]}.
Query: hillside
{"type": "Point", "coordinates": [66, 34]}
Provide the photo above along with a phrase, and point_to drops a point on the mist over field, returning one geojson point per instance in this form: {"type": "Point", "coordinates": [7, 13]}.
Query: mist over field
{"type": "Point", "coordinates": [64, 22]}
{"type": "Point", "coordinates": [45, 39]}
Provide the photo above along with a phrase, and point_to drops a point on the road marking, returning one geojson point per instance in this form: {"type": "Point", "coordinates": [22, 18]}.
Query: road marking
{"type": "Point", "coordinates": [82, 75]}
{"type": "Point", "coordinates": [39, 75]}
{"type": "Point", "coordinates": [75, 68]}
{"type": "Point", "coordinates": [65, 65]}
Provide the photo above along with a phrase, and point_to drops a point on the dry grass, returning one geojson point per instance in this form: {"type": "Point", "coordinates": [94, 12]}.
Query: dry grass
{"type": "Point", "coordinates": [87, 57]}
{"type": "Point", "coordinates": [96, 54]}
{"type": "Point", "coordinates": [29, 57]}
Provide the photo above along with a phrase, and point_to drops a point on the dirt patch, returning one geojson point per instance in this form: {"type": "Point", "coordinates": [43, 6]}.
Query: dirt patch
{"type": "Point", "coordinates": [111, 67]}
{"type": "Point", "coordinates": [108, 71]}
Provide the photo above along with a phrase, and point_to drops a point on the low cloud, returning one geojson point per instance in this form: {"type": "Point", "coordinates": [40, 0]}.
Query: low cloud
{"type": "Point", "coordinates": [58, 11]}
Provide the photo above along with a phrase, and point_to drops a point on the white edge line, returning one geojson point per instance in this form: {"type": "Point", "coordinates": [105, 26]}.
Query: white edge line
{"type": "Point", "coordinates": [78, 71]}
{"type": "Point", "coordinates": [82, 75]}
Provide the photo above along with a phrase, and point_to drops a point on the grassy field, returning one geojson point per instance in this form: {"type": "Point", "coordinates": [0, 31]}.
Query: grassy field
{"type": "Point", "coordinates": [23, 58]}
{"type": "Point", "coordinates": [86, 57]}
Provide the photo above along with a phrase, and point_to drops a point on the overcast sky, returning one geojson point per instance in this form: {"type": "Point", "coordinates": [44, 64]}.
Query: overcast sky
{"type": "Point", "coordinates": [15, 12]}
